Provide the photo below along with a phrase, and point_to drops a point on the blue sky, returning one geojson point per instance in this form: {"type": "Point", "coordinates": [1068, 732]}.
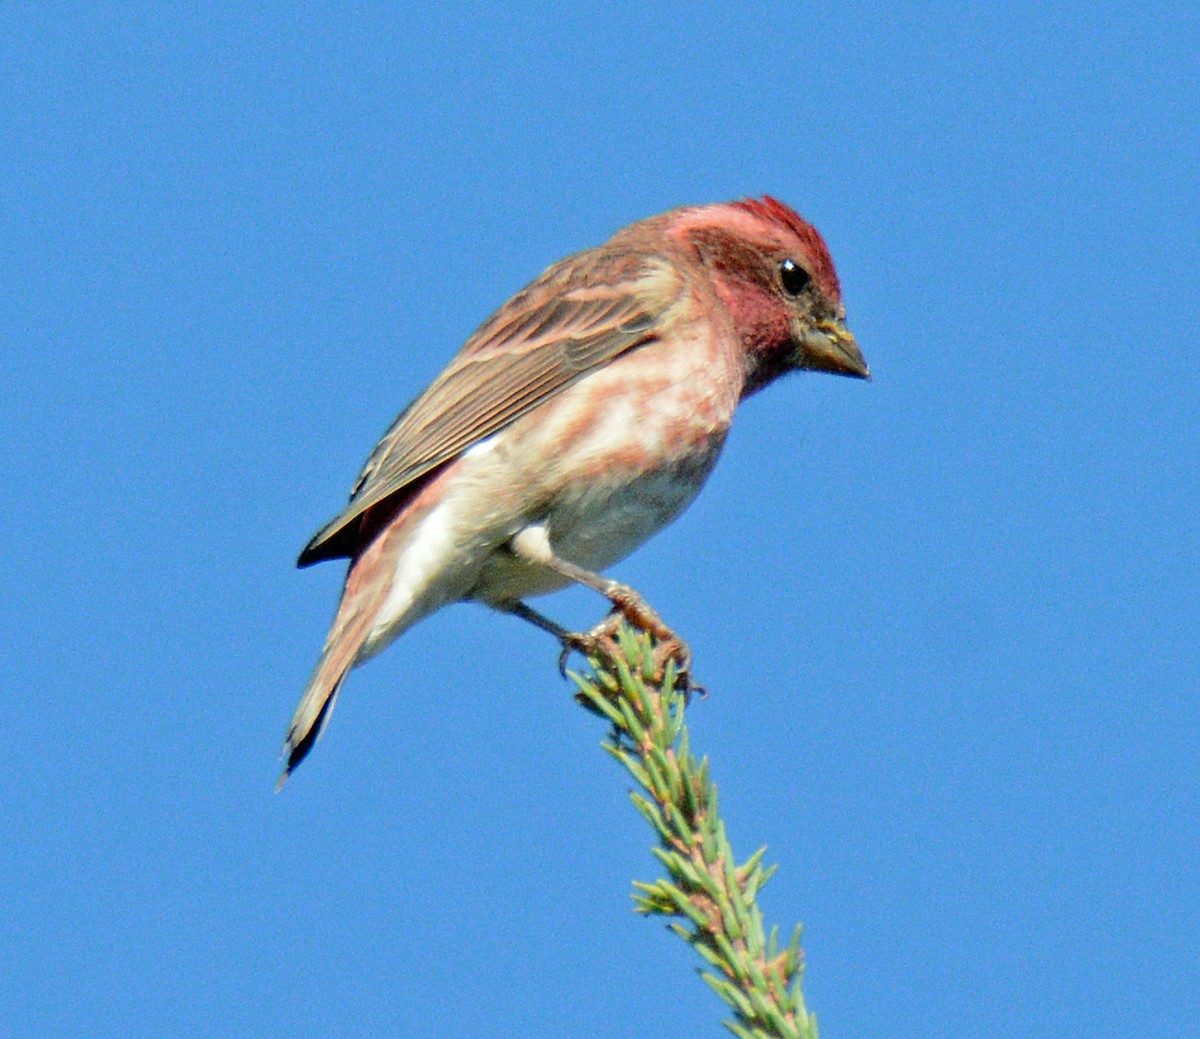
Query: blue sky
{"type": "Point", "coordinates": [950, 619]}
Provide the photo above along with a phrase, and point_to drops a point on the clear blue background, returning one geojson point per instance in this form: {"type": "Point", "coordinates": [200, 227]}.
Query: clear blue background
{"type": "Point", "coordinates": [950, 619]}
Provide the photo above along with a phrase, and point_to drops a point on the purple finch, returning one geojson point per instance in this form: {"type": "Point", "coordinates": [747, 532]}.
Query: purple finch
{"type": "Point", "coordinates": [580, 419]}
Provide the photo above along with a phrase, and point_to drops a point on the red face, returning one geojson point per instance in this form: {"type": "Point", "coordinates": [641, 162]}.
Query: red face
{"type": "Point", "coordinates": [776, 278]}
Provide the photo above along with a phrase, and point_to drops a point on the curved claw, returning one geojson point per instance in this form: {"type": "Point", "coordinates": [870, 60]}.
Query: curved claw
{"type": "Point", "coordinates": [598, 642]}
{"type": "Point", "coordinates": [672, 647]}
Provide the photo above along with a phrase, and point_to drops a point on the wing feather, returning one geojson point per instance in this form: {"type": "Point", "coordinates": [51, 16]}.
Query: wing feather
{"type": "Point", "coordinates": [579, 315]}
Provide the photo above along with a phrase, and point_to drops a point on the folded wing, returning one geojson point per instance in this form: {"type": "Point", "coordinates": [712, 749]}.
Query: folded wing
{"type": "Point", "coordinates": [570, 321]}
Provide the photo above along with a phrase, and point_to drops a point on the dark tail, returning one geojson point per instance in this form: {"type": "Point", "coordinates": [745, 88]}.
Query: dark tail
{"type": "Point", "coordinates": [316, 705]}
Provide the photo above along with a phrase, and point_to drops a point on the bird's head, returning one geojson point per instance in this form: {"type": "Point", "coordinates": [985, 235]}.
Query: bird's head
{"type": "Point", "coordinates": [774, 275]}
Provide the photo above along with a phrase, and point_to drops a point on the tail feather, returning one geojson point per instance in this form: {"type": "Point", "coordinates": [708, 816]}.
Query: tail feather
{"type": "Point", "coordinates": [309, 721]}
{"type": "Point", "coordinates": [316, 705]}
{"type": "Point", "coordinates": [298, 748]}
{"type": "Point", "coordinates": [368, 587]}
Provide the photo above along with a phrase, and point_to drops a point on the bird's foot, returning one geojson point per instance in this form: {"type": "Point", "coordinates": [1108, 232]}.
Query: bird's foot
{"type": "Point", "coordinates": [672, 647]}
{"type": "Point", "coordinates": [600, 642]}
{"type": "Point", "coordinates": [668, 646]}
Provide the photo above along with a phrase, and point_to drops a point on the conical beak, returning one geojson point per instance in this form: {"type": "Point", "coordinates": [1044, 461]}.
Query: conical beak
{"type": "Point", "coordinates": [829, 346]}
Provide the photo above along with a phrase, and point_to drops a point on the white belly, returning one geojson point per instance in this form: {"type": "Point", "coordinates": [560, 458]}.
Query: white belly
{"type": "Point", "coordinates": [605, 523]}
{"type": "Point", "coordinates": [597, 523]}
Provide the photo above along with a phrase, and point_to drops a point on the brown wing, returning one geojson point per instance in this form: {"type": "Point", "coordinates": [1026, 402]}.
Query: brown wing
{"type": "Point", "coordinates": [580, 314]}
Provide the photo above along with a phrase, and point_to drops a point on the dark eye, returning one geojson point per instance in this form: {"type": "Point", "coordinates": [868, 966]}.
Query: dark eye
{"type": "Point", "coordinates": [795, 278]}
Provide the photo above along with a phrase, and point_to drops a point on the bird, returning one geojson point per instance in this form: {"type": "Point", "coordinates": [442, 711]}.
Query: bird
{"type": "Point", "coordinates": [579, 419]}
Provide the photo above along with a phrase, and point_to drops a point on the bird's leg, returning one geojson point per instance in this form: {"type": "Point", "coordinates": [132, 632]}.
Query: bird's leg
{"type": "Point", "coordinates": [597, 642]}
{"type": "Point", "coordinates": [533, 545]}
{"type": "Point", "coordinates": [588, 642]}
{"type": "Point", "coordinates": [538, 620]}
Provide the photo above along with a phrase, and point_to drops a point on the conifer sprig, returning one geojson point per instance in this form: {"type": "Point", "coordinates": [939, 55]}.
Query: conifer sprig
{"type": "Point", "coordinates": [711, 901]}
